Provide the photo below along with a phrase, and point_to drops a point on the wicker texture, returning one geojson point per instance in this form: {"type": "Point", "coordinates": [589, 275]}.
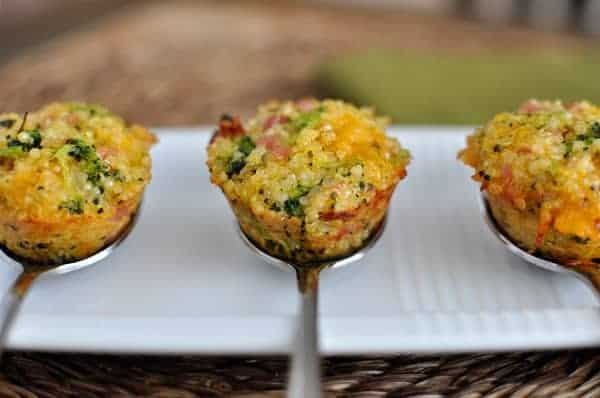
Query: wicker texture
{"type": "Point", "coordinates": [564, 375]}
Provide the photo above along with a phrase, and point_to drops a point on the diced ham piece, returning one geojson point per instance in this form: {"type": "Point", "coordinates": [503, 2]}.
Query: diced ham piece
{"type": "Point", "coordinates": [531, 106]}
{"type": "Point", "coordinates": [575, 107]}
{"type": "Point", "coordinates": [106, 152]}
{"type": "Point", "coordinates": [307, 104]}
{"type": "Point", "coordinates": [508, 191]}
{"type": "Point", "coordinates": [275, 120]}
{"type": "Point", "coordinates": [229, 127]}
{"type": "Point", "coordinates": [274, 145]}
{"type": "Point", "coordinates": [122, 211]}
{"type": "Point", "coordinates": [73, 119]}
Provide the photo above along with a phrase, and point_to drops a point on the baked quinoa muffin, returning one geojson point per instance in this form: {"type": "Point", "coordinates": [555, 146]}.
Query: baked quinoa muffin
{"type": "Point", "coordinates": [540, 169]}
{"type": "Point", "coordinates": [308, 180]}
{"type": "Point", "coordinates": [71, 177]}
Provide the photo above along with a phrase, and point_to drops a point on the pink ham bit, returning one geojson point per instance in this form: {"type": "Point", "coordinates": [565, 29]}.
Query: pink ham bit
{"type": "Point", "coordinates": [307, 104]}
{"type": "Point", "coordinates": [229, 127]}
{"type": "Point", "coordinates": [73, 119]}
{"type": "Point", "coordinates": [530, 106]}
{"type": "Point", "coordinates": [508, 191]}
{"type": "Point", "coordinates": [274, 120]}
{"type": "Point", "coordinates": [575, 107]}
{"type": "Point", "coordinates": [275, 145]}
{"type": "Point", "coordinates": [106, 152]}
{"type": "Point", "coordinates": [121, 212]}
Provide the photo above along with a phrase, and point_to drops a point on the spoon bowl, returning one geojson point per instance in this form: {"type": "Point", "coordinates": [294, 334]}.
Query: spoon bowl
{"type": "Point", "coordinates": [305, 375]}
{"type": "Point", "coordinates": [588, 273]}
{"type": "Point", "coordinates": [29, 272]}
{"type": "Point", "coordinates": [329, 263]}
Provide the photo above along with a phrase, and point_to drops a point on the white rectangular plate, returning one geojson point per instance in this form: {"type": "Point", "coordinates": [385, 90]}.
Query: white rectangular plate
{"type": "Point", "coordinates": [184, 283]}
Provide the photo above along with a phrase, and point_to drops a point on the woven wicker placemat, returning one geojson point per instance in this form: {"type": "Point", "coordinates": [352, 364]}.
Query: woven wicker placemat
{"type": "Point", "coordinates": [549, 374]}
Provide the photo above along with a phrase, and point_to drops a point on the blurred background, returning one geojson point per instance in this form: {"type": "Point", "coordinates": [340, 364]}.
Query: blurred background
{"type": "Point", "coordinates": [185, 62]}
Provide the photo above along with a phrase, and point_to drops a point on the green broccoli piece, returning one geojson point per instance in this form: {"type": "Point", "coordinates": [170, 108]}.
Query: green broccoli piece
{"type": "Point", "coordinates": [299, 191]}
{"type": "Point", "coordinates": [74, 206]}
{"type": "Point", "coordinates": [237, 162]}
{"type": "Point", "coordinates": [33, 140]}
{"type": "Point", "coordinates": [235, 167]}
{"type": "Point", "coordinates": [80, 150]}
{"type": "Point", "coordinates": [246, 145]}
{"type": "Point", "coordinates": [11, 152]}
{"type": "Point", "coordinates": [85, 154]}
{"type": "Point", "coordinates": [308, 119]}
{"type": "Point", "coordinates": [595, 129]}
{"type": "Point", "coordinates": [293, 207]}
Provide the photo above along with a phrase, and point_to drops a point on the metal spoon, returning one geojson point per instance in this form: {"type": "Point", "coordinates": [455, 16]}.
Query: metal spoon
{"type": "Point", "coordinates": [590, 274]}
{"type": "Point", "coordinates": [30, 272]}
{"type": "Point", "coordinates": [305, 373]}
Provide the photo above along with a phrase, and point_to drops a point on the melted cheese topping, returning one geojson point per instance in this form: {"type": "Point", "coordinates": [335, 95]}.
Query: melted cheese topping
{"type": "Point", "coordinates": [355, 137]}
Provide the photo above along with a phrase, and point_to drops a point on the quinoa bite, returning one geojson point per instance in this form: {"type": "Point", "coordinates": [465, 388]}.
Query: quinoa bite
{"type": "Point", "coordinates": [540, 169]}
{"type": "Point", "coordinates": [71, 177]}
{"type": "Point", "coordinates": [308, 180]}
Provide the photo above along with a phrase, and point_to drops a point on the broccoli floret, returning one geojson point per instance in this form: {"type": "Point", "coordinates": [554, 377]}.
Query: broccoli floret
{"type": "Point", "coordinates": [36, 139]}
{"type": "Point", "coordinates": [117, 175]}
{"type": "Point", "coordinates": [33, 140]}
{"type": "Point", "coordinates": [308, 119]}
{"type": "Point", "coordinates": [92, 165]}
{"type": "Point", "coordinates": [587, 138]}
{"type": "Point", "coordinates": [80, 150]}
{"type": "Point", "coordinates": [568, 149]}
{"type": "Point", "coordinates": [293, 207]}
{"type": "Point", "coordinates": [11, 152]}
{"type": "Point", "coordinates": [595, 129]}
{"type": "Point", "coordinates": [237, 162]}
{"type": "Point", "coordinates": [235, 167]}
{"type": "Point", "coordinates": [299, 191]}
{"type": "Point", "coordinates": [246, 145]}
{"type": "Point", "coordinates": [74, 206]}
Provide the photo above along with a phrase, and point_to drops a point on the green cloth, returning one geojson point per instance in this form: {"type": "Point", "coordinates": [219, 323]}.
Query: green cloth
{"type": "Point", "coordinates": [456, 89]}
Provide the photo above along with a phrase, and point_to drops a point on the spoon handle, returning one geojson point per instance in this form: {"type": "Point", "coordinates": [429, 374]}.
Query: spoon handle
{"type": "Point", "coordinates": [305, 374]}
{"type": "Point", "coordinates": [10, 306]}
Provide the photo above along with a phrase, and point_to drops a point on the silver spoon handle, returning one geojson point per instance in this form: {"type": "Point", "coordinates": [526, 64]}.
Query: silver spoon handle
{"type": "Point", "coordinates": [10, 307]}
{"type": "Point", "coordinates": [305, 374]}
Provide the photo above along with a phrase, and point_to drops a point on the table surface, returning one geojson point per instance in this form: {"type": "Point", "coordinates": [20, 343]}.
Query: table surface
{"type": "Point", "coordinates": [175, 64]}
